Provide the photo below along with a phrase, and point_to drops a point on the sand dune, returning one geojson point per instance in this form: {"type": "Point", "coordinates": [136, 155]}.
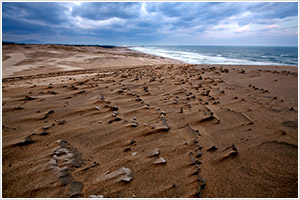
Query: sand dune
{"type": "Point", "coordinates": [126, 124]}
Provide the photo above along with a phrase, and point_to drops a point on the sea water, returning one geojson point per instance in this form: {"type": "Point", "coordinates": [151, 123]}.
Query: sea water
{"type": "Point", "coordinates": [230, 55]}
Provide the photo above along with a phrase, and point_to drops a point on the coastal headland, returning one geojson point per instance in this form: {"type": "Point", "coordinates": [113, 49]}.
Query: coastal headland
{"type": "Point", "coordinates": [87, 121]}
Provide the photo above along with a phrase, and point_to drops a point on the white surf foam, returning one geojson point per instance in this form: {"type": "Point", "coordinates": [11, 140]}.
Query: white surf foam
{"type": "Point", "coordinates": [197, 58]}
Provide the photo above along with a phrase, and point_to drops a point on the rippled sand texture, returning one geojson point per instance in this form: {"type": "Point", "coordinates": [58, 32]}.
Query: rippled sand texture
{"type": "Point", "coordinates": [133, 125]}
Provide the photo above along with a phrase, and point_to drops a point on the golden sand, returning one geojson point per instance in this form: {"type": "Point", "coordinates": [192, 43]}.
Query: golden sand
{"type": "Point", "coordinates": [82, 121]}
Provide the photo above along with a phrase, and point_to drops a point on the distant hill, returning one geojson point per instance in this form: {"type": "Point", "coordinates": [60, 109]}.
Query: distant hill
{"type": "Point", "coordinates": [41, 42]}
{"type": "Point", "coordinates": [8, 42]}
{"type": "Point", "coordinates": [31, 42]}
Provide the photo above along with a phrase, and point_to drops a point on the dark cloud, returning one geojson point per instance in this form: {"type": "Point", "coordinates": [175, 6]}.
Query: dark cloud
{"type": "Point", "coordinates": [50, 13]}
{"type": "Point", "coordinates": [12, 25]}
{"type": "Point", "coordinates": [33, 18]}
{"type": "Point", "coordinates": [102, 11]}
{"type": "Point", "coordinates": [274, 10]}
{"type": "Point", "coordinates": [144, 21]}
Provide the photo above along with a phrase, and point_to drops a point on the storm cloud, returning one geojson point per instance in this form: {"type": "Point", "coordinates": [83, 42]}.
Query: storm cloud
{"type": "Point", "coordinates": [136, 23]}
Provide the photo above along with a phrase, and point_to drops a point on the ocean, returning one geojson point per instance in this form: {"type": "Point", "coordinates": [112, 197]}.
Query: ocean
{"type": "Point", "coordinates": [230, 55]}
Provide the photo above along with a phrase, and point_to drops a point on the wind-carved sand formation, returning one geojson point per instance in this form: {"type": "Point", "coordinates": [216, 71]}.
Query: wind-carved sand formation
{"type": "Point", "coordinates": [118, 123]}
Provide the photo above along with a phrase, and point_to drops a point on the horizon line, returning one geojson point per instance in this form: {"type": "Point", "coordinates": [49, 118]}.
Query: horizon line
{"type": "Point", "coordinates": [142, 45]}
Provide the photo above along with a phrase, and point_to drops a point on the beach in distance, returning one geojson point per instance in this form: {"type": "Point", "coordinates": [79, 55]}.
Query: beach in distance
{"type": "Point", "coordinates": [149, 122]}
{"type": "Point", "coordinates": [228, 55]}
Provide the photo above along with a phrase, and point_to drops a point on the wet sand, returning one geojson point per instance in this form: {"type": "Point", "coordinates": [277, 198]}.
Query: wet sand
{"type": "Point", "coordinates": [90, 121]}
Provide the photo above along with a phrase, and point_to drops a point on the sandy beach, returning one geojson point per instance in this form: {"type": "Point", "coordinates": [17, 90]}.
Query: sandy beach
{"type": "Point", "coordinates": [87, 121]}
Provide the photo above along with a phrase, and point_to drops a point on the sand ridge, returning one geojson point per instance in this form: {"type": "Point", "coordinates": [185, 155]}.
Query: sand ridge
{"type": "Point", "coordinates": [33, 59]}
{"type": "Point", "coordinates": [154, 130]}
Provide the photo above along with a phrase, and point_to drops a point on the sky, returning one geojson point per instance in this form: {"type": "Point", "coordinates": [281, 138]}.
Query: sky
{"type": "Point", "coordinates": [153, 23]}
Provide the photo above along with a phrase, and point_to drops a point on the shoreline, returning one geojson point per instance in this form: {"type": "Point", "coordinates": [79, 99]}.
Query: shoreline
{"type": "Point", "coordinates": [157, 56]}
{"type": "Point", "coordinates": [196, 54]}
{"type": "Point", "coordinates": [215, 65]}
{"type": "Point", "coordinates": [125, 124]}
{"type": "Point", "coordinates": [161, 59]}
